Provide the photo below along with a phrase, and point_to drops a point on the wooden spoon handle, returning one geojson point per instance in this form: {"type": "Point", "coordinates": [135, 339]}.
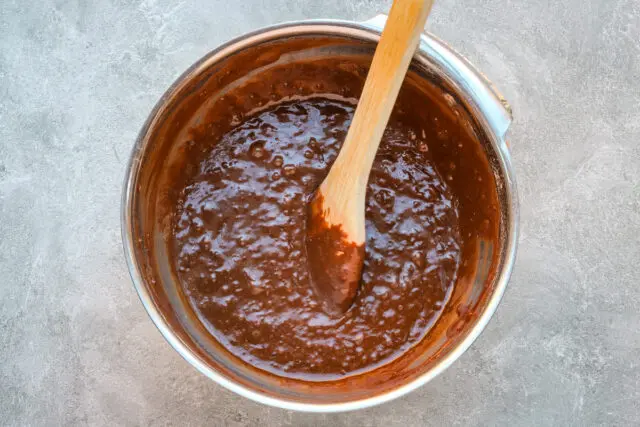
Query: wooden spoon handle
{"type": "Point", "coordinates": [350, 172]}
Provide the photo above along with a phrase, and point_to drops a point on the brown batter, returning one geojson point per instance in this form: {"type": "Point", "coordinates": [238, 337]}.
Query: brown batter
{"type": "Point", "coordinates": [239, 204]}
{"type": "Point", "coordinates": [240, 233]}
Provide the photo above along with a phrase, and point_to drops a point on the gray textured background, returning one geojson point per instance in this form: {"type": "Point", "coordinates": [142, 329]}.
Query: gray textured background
{"type": "Point", "coordinates": [77, 79]}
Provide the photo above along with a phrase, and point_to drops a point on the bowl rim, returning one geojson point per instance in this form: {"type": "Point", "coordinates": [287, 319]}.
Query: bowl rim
{"type": "Point", "coordinates": [429, 45]}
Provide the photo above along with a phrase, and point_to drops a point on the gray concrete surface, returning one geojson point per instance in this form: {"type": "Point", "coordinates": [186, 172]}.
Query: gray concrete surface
{"type": "Point", "coordinates": [77, 79]}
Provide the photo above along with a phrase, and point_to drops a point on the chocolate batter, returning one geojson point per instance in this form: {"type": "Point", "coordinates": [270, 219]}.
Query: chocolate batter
{"type": "Point", "coordinates": [239, 242]}
{"type": "Point", "coordinates": [246, 162]}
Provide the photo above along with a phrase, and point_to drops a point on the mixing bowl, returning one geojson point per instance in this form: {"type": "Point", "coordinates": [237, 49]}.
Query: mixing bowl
{"type": "Point", "coordinates": [466, 93]}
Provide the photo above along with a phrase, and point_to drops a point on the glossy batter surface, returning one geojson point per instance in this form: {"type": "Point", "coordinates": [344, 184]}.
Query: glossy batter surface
{"type": "Point", "coordinates": [239, 242]}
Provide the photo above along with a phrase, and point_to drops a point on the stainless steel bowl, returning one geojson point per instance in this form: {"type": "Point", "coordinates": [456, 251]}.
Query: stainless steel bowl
{"type": "Point", "coordinates": [471, 305]}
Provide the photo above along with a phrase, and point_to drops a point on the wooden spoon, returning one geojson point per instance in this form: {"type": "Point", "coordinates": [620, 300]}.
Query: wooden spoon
{"type": "Point", "coordinates": [335, 226]}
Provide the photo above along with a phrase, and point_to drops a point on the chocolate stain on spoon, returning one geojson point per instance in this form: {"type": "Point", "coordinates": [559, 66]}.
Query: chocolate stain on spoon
{"type": "Point", "coordinates": [335, 262]}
